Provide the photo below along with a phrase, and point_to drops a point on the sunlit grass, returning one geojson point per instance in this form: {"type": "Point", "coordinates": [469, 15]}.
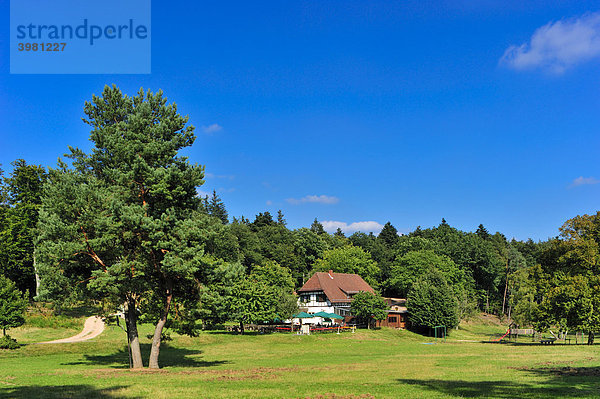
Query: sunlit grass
{"type": "Point", "coordinates": [382, 364]}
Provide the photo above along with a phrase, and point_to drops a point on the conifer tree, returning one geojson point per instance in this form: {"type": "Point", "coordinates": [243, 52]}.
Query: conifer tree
{"type": "Point", "coordinates": [280, 219]}
{"type": "Point", "coordinates": [389, 235]}
{"type": "Point", "coordinates": [317, 227]}
{"type": "Point", "coordinates": [216, 208]}
{"type": "Point", "coordinates": [122, 225]}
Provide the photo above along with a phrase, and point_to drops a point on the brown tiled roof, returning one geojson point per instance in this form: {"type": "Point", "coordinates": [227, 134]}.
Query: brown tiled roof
{"type": "Point", "coordinates": [337, 286]}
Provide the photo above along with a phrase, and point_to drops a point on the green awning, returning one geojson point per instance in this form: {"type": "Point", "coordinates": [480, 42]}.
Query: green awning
{"type": "Point", "coordinates": [328, 315]}
{"type": "Point", "coordinates": [302, 315]}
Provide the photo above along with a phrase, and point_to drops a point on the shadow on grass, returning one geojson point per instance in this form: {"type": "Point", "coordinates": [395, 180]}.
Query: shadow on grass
{"type": "Point", "coordinates": [249, 333]}
{"type": "Point", "coordinates": [169, 357]}
{"type": "Point", "coordinates": [59, 392]}
{"type": "Point", "coordinates": [513, 343]}
{"type": "Point", "coordinates": [563, 382]}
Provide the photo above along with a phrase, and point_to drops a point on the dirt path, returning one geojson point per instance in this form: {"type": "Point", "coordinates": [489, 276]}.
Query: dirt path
{"type": "Point", "coordinates": [92, 328]}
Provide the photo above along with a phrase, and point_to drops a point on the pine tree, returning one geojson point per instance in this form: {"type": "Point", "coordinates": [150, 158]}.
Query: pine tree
{"type": "Point", "coordinates": [280, 219]}
{"type": "Point", "coordinates": [216, 208]}
{"type": "Point", "coordinates": [482, 232]}
{"type": "Point", "coordinates": [263, 219]}
{"type": "Point", "coordinates": [122, 225]}
{"type": "Point", "coordinates": [12, 305]}
{"type": "Point", "coordinates": [317, 227]}
{"type": "Point", "coordinates": [339, 233]}
{"type": "Point", "coordinates": [23, 189]}
{"type": "Point", "coordinates": [389, 235]}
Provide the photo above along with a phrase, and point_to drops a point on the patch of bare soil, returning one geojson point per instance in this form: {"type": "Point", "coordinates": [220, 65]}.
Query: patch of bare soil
{"type": "Point", "coordinates": [92, 328]}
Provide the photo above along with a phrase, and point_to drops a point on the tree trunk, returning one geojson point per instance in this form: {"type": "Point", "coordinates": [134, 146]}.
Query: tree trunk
{"type": "Point", "coordinates": [505, 290]}
{"type": "Point", "coordinates": [132, 334]}
{"type": "Point", "coordinates": [590, 338]}
{"type": "Point", "coordinates": [37, 277]}
{"type": "Point", "coordinates": [242, 327]}
{"type": "Point", "coordinates": [156, 339]}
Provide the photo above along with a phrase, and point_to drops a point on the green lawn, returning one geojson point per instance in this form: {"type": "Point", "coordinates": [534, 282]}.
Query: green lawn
{"type": "Point", "coordinates": [381, 364]}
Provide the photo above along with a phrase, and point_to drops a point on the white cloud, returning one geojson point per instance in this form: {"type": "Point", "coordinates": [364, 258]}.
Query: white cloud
{"type": "Point", "coordinates": [269, 202]}
{"type": "Point", "coordinates": [319, 199]}
{"type": "Point", "coordinates": [581, 181]}
{"type": "Point", "coordinates": [558, 45]}
{"type": "Point", "coordinates": [220, 190]}
{"type": "Point", "coordinates": [210, 129]}
{"type": "Point", "coordinates": [213, 176]}
{"type": "Point", "coordinates": [331, 226]}
{"type": "Point", "coordinates": [202, 193]}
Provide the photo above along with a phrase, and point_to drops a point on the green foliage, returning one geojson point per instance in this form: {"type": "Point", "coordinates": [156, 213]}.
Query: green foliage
{"type": "Point", "coordinates": [317, 227]}
{"type": "Point", "coordinates": [350, 259]}
{"type": "Point", "coordinates": [215, 207]}
{"type": "Point", "coordinates": [567, 290]}
{"type": "Point", "coordinates": [483, 260]}
{"type": "Point", "coordinates": [571, 303]}
{"type": "Point", "coordinates": [431, 302]}
{"type": "Point", "coordinates": [253, 301]}
{"type": "Point", "coordinates": [6, 342]}
{"type": "Point", "coordinates": [388, 235]}
{"type": "Point", "coordinates": [308, 248]}
{"type": "Point", "coordinates": [410, 267]}
{"type": "Point", "coordinates": [18, 218]}
{"type": "Point", "coordinates": [368, 307]}
{"type": "Point", "coordinates": [13, 305]}
{"type": "Point", "coordinates": [123, 224]}
{"type": "Point", "coordinates": [274, 275]}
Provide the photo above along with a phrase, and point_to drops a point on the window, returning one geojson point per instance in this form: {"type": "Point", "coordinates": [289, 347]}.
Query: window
{"type": "Point", "coordinates": [391, 319]}
{"type": "Point", "coordinates": [321, 298]}
{"type": "Point", "coordinates": [304, 298]}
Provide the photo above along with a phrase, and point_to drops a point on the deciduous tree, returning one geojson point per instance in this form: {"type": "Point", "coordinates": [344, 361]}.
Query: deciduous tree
{"type": "Point", "coordinates": [368, 307]}
{"type": "Point", "coordinates": [431, 302]}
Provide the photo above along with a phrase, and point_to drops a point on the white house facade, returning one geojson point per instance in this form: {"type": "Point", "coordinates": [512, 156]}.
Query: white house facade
{"type": "Point", "coordinates": [330, 292]}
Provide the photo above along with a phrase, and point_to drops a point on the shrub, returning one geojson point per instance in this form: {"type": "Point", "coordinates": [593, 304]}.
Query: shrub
{"type": "Point", "coordinates": [6, 342]}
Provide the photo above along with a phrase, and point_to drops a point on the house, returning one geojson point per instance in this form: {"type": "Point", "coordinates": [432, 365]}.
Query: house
{"type": "Point", "coordinates": [330, 292]}
{"type": "Point", "coordinates": [397, 314]}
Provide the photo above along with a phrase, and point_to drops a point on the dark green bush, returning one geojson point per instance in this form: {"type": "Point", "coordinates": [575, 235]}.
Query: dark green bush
{"type": "Point", "coordinates": [6, 342]}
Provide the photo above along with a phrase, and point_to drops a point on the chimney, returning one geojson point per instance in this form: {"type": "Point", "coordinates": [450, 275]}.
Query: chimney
{"type": "Point", "coordinates": [331, 274]}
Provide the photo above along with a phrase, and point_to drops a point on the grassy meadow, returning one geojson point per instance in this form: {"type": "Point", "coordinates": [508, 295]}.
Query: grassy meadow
{"type": "Point", "coordinates": [367, 364]}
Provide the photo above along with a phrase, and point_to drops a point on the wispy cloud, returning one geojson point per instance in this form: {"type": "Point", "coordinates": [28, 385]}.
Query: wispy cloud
{"type": "Point", "coordinates": [558, 45]}
{"type": "Point", "coordinates": [269, 202]}
{"type": "Point", "coordinates": [319, 199]}
{"type": "Point", "coordinates": [220, 190]}
{"type": "Point", "coordinates": [582, 181]}
{"type": "Point", "coordinates": [331, 226]}
{"type": "Point", "coordinates": [213, 176]}
{"type": "Point", "coordinates": [210, 129]}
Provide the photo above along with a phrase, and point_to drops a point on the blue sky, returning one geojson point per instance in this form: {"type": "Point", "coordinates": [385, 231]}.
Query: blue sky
{"type": "Point", "coordinates": [358, 112]}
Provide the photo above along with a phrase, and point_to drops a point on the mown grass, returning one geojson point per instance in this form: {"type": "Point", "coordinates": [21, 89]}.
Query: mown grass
{"type": "Point", "coordinates": [381, 364]}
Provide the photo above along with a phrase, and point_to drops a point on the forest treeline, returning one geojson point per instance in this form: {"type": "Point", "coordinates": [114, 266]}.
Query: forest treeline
{"type": "Point", "coordinates": [544, 283]}
{"type": "Point", "coordinates": [123, 226]}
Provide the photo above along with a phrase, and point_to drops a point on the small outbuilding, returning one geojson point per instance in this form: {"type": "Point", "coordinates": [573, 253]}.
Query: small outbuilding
{"type": "Point", "coordinates": [397, 314]}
